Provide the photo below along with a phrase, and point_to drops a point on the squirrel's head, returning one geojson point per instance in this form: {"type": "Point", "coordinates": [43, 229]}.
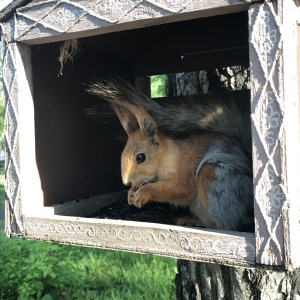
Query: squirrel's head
{"type": "Point", "coordinates": [141, 155]}
{"type": "Point", "coordinates": [140, 159]}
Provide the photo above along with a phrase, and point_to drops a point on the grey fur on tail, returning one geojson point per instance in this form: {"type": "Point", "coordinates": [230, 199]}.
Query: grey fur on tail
{"type": "Point", "coordinates": [178, 120]}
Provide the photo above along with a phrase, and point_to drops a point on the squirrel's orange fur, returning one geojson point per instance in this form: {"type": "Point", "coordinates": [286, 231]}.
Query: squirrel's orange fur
{"type": "Point", "coordinates": [169, 168]}
{"type": "Point", "coordinates": [186, 155]}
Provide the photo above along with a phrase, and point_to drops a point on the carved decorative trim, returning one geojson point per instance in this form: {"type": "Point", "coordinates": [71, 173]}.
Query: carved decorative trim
{"type": "Point", "coordinates": [165, 240]}
{"type": "Point", "coordinates": [267, 123]}
{"type": "Point", "coordinates": [268, 131]}
{"type": "Point", "coordinates": [50, 18]}
{"type": "Point", "coordinates": [12, 169]}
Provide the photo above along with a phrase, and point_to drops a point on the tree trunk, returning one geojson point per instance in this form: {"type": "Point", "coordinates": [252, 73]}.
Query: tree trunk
{"type": "Point", "coordinates": [205, 281]}
{"type": "Point", "coordinates": [211, 281]}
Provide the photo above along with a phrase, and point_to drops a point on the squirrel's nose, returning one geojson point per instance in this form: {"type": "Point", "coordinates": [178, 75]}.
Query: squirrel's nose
{"type": "Point", "coordinates": [126, 181]}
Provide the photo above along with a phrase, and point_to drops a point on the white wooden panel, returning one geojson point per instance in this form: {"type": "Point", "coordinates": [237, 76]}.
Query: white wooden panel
{"type": "Point", "coordinates": [267, 113]}
{"type": "Point", "coordinates": [289, 14]}
{"type": "Point", "coordinates": [19, 130]}
{"type": "Point", "coordinates": [274, 129]}
{"type": "Point", "coordinates": [31, 190]}
{"type": "Point", "coordinates": [196, 244]}
{"type": "Point", "coordinates": [11, 133]}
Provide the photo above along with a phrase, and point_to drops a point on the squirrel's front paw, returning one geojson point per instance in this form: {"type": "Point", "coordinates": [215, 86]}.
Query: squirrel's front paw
{"type": "Point", "coordinates": [138, 197]}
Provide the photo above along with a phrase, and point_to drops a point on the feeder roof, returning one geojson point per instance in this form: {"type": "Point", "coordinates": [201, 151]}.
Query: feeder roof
{"type": "Point", "coordinates": [8, 7]}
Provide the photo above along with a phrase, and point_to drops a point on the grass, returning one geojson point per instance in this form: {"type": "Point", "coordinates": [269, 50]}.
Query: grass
{"type": "Point", "coordinates": [39, 270]}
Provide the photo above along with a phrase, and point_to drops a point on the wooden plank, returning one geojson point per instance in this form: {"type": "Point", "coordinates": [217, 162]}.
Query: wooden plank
{"type": "Point", "coordinates": [267, 132]}
{"type": "Point", "coordinates": [298, 70]}
{"type": "Point", "coordinates": [19, 130]}
{"type": "Point", "coordinates": [297, 3]}
{"type": "Point", "coordinates": [142, 84]}
{"type": "Point", "coordinates": [179, 46]}
{"type": "Point", "coordinates": [7, 8]}
{"type": "Point", "coordinates": [13, 220]}
{"type": "Point", "coordinates": [7, 31]}
{"type": "Point", "coordinates": [78, 154]}
{"type": "Point", "coordinates": [274, 159]}
{"type": "Point", "coordinates": [30, 185]}
{"type": "Point", "coordinates": [173, 241]}
{"type": "Point", "coordinates": [85, 207]}
{"type": "Point", "coordinates": [48, 21]}
{"type": "Point", "coordinates": [172, 62]}
{"type": "Point", "coordinates": [291, 165]}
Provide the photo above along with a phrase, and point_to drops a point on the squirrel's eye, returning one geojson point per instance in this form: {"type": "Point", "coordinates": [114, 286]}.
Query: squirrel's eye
{"type": "Point", "coordinates": [140, 158]}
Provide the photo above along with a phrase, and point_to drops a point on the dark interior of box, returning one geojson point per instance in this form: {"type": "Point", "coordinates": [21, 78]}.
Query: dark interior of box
{"type": "Point", "coordinates": [78, 155]}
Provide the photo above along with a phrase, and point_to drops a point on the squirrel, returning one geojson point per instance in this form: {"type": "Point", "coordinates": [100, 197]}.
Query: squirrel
{"type": "Point", "coordinates": [191, 154]}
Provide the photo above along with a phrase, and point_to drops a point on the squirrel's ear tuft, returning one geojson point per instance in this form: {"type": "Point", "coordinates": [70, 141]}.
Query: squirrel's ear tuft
{"type": "Point", "coordinates": [125, 101]}
{"type": "Point", "coordinates": [149, 126]}
{"type": "Point", "coordinates": [139, 119]}
{"type": "Point", "coordinates": [150, 129]}
{"type": "Point", "coordinates": [127, 119]}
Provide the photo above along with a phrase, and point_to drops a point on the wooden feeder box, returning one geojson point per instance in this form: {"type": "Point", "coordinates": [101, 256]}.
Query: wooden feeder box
{"type": "Point", "coordinates": [62, 167]}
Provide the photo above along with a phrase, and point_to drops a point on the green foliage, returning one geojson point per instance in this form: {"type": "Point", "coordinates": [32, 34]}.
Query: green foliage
{"type": "Point", "coordinates": [158, 83]}
{"type": "Point", "coordinates": [38, 270]}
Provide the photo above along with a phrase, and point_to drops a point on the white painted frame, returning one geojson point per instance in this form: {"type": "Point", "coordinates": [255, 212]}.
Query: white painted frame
{"type": "Point", "coordinates": [275, 132]}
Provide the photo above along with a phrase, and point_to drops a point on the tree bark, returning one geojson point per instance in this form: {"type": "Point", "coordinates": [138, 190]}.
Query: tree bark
{"type": "Point", "coordinates": [205, 281]}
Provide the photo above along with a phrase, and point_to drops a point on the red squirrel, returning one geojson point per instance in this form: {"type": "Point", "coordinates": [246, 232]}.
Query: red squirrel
{"type": "Point", "coordinates": [192, 154]}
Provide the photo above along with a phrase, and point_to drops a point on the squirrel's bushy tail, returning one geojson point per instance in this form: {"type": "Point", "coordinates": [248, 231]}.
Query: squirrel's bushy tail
{"type": "Point", "coordinates": [180, 119]}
